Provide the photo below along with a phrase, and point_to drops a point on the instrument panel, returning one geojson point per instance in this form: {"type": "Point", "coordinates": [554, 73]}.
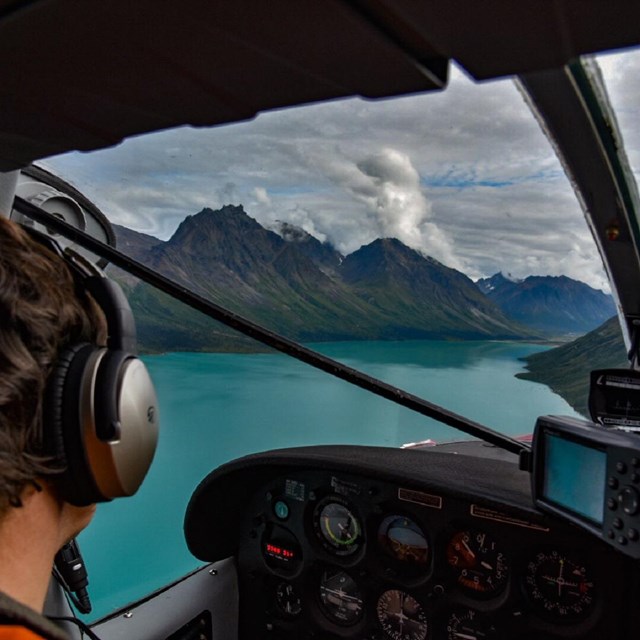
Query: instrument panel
{"type": "Point", "coordinates": [337, 555]}
{"type": "Point", "coordinates": [375, 543]}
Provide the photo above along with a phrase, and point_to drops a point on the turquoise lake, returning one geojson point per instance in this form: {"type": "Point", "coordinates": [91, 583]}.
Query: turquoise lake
{"type": "Point", "coordinates": [216, 407]}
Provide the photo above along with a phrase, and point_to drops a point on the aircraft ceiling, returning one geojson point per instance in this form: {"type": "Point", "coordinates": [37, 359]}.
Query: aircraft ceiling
{"type": "Point", "coordinates": [85, 75]}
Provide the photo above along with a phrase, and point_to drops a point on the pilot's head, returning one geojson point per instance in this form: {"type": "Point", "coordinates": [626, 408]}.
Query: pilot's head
{"type": "Point", "coordinates": [42, 311]}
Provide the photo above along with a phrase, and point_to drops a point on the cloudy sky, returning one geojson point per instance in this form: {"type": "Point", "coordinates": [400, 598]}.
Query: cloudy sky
{"type": "Point", "coordinates": [465, 176]}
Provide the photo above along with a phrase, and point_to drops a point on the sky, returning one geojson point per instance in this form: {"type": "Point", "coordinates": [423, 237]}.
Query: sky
{"type": "Point", "coordinates": [464, 175]}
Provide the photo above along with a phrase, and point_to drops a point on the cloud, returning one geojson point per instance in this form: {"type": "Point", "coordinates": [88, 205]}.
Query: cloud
{"type": "Point", "coordinates": [389, 186]}
{"type": "Point", "coordinates": [261, 195]}
{"type": "Point", "coordinates": [464, 175]}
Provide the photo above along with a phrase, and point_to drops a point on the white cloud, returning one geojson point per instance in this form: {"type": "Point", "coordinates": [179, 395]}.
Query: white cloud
{"type": "Point", "coordinates": [389, 187]}
{"type": "Point", "coordinates": [465, 175]}
{"type": "Point", "coordinates": [261, 195]}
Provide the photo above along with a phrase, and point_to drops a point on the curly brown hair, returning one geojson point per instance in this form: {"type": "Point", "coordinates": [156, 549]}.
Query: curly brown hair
{"type": "Point", "coordinates": [42, 311]}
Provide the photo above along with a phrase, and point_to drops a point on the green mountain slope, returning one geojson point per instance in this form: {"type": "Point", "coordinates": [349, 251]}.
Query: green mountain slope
{"type": "Point", "coordinates": [420, 297]}
{"type": "Point", "coordinates": [566, 369]}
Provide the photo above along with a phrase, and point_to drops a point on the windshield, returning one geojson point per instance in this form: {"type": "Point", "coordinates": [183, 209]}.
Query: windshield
{"type": "Point", "coordinates": [619, 70]}
{"type": "Point", "coordinates": [432, 241]}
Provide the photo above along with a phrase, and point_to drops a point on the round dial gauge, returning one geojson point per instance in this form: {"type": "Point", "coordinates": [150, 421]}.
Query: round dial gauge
{"type": "Point", "coordinates": [401, 616]}
{"type": "Point", "coordinates": [467, 624]}
{"type": "Point", "coordinates": [288, 600]}
{"type": "Point", "coordinates": [338, 528]}
{"type": "Point", "coordinates": [477, 562]}
{"type": "Point", "coordinates": [404, 540]}
{"type": "Point", "coordinates": [559, 586]}
{"type": "Point", "coordinates": [340, 597]}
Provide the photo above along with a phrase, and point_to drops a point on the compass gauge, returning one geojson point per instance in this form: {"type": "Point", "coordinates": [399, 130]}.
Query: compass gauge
{"type": "Point", "coordinates": [401, 616]}
{"type": "Point", "coordinates": [560, 586]}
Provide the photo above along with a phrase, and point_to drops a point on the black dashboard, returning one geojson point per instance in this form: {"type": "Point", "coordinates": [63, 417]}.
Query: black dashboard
{"type": "Point", "coordinates": [377, 544]}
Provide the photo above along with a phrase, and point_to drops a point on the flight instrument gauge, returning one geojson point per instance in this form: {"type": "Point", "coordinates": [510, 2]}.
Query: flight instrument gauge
{"type": "Point", "coordinates": [467, 624]}
{"type": "Point", "coordinates": [403, 540]}
{"type": "Point", "coordinates": [288, 599]}
{"type": "Point", "coordinates": [337, 527]}
{"type": "Point", "coordinates": [480, 567]}
{"type": "Point", "coordinates": [401, 616]}
{"type": "Point", "coordinates": [340, 597]}
{"type": "Point", "coordinates": [559, 586]}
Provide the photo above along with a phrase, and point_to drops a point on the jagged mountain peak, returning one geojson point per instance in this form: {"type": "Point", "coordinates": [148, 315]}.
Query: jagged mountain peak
{"type": "Point", "coordinates": [394, 248]}
{"type": "Point", "coordinates": [389, 256]}
{"type": "Point", "coordinates": [384, 248]}
{"type": "Point", "coordinates": [227, 217]}
{"type": "Point", "coordinates": [496, 282]}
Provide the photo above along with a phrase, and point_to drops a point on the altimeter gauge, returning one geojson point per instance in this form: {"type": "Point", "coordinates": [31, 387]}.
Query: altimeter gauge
{"type": "Point", "coordinates": [401, 616]}
{"type": "Point", "coordinates": [560, 586]}
{"type": "Point", "coordinates": [480, 566]}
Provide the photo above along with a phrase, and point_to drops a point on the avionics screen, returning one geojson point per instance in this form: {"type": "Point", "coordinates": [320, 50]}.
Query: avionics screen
{"type": "Point", "coordinates": [575, 476]}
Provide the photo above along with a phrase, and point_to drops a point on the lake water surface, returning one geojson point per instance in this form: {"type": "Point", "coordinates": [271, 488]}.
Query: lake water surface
{"type": "Point", "coordinates": [216, 407]}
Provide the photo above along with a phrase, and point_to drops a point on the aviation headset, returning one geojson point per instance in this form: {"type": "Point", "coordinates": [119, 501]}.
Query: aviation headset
{"type": "Point", "coordinates": [100, 413]}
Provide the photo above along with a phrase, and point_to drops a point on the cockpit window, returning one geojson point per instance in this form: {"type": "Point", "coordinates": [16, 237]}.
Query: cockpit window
{"type": "Point", "coordinates": [378, 232]}
{"type": "Point", "coordinates": [620, 73]}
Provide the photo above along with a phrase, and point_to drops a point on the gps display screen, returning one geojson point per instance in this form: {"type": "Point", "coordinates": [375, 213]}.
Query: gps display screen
{"type": "Point", "coordinates": [575, 477]}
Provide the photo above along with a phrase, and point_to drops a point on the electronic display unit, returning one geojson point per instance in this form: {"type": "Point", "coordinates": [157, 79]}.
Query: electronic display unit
{"type": "Point", "coordinates": [589, 476]}
{"type": "Point", "coordinates": [614, 398]}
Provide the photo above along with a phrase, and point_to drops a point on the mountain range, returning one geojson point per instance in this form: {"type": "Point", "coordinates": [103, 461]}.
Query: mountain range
{"type": "Point", "coordinates": [555, 305]}
{"type": "Point", "coordinates": [294, 284]}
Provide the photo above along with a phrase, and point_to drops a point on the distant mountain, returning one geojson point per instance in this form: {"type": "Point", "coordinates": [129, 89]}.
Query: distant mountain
{"type": "Point", "coordinates": [302, 288]}
{"type": "Point", "coordinates": [566, 369]}
{"type": "Point", "coordinates": [555, 305]}
{"type": "Point", "coordinates": [413, 291]}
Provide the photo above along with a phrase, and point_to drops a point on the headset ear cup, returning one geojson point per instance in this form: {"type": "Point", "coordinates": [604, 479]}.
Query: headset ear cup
{"type": "Point", "coordinates": [126, 410]}
{"type": "Point", "coordinates": [63, 435]}
{"type": "Point", "coordinates": [52, 418]}
{"type": "Point", "coordinates": [107, 394]}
